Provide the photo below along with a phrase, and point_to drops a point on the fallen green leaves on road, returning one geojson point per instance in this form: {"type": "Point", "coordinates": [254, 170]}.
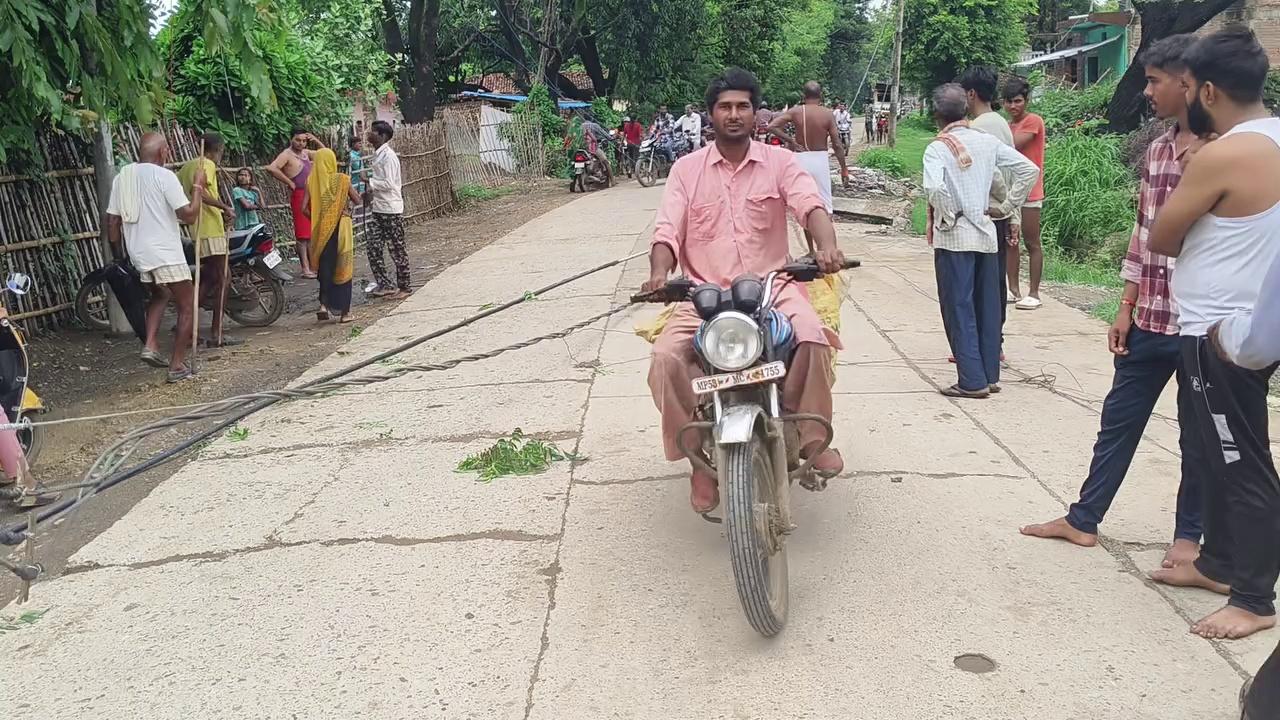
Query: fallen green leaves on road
{"type": "Point", "coordinates": [514, 455]}
{"type": "Point", "coordinates": [26, 619]}
{"type": "Point", "coordinates": [238, 434]}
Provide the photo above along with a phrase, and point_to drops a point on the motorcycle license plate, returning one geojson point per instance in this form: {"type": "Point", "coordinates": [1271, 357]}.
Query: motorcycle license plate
{"type": "Point", "coordinates": [579, 166]}
{"type": "Point", "coordinates": [751, 376]}
{"type": "Point", "coordinates": [272, 259]}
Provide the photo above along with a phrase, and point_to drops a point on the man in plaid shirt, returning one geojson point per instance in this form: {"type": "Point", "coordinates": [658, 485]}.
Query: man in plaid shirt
{"type": "Point", "coordinates": [1144, 337]}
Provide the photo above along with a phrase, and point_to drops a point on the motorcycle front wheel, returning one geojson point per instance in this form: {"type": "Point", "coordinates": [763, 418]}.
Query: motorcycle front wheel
{"type": "Point", "coordinates": [257, 299]}
{"type": "Point", "coordinates": [646, 172]}
{"type": "Point", "coordinates": [752, 523]}
{"type": "Point", "coordinates": [91, 306]}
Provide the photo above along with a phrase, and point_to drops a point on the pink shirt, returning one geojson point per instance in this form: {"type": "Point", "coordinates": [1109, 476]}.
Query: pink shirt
{"type": "Point", "coordinates": [721, 222]}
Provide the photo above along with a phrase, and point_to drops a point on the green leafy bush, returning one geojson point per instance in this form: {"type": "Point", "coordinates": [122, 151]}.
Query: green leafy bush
{"type": "Point", "coordinates": [541, 108]}
{"type": "Point", "coordinates": [883, 159]}
{"type": "Point", "coordinates": [1271, 92]}
{"type": "Point", "coordinates": [1089, 195]}
{"type": "Point", "coordinates": [1067, 107]}
{"type": "Point", "coordinates": [602, 108]}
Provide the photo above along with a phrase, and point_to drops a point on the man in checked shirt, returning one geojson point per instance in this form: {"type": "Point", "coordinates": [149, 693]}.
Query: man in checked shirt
{"type": "Point", "coordinates": [1144, 337]}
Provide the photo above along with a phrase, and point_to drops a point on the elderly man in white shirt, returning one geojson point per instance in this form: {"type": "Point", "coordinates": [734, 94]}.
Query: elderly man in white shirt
{"type": "Point", "coordinates": [387, 207]}
{"type": "Point", "coordinates": [960, 173]}
{"type": "Point", "coordinates": [690, 125]}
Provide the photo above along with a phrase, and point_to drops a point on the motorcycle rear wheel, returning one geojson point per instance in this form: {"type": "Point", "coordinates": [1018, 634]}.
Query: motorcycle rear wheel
{"type": "Point", "coordinates": [91, 306]}
{"type": "Point", "coordinates": [756, 550]}
{"type": "Point", "coordinates": [646, 173]}
{"type": "Point", "coordinates": [255, 283]}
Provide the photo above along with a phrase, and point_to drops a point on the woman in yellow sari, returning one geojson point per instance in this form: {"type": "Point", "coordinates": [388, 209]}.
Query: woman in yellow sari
{"type": "Point", "coordinates": [332, 241]}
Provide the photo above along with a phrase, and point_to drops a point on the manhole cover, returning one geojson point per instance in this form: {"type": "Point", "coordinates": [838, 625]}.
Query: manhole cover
{"type": "Point", "coordinates": [975, 663]}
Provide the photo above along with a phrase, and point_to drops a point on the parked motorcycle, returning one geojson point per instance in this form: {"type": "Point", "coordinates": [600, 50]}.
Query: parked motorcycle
{"type": "Point", "coordinates": [746, 441]}
{"type": "Point", "coordinates": [256, 294]}
{"type": "Point", "coordinates": [20, 401]}
{"type": "Point", "coordinates": [588, 172]}
{"type": "Point", "coordinates": [652, 165]}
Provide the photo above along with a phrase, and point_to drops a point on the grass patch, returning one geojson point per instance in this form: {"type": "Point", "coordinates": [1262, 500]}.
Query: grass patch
{"type": "Point", "coordinates": [906, 157]}
{"type": "Point", "coordinates": [919, 215]}
{"type": "Point", "coordinates": [26, 619]}
{"type": "Point", "coordinates": [1058, 269]}
{"type": "Point", "coordinates": [355, 332]}
{"type": "Point", "coordinates": [471, 194]}
{"type": "Point", "coordinates": [514, 455]}
{"type": "Point", "coordinates": [1106, 310]}
{"type": "Point", "coordinates": [238, 434]}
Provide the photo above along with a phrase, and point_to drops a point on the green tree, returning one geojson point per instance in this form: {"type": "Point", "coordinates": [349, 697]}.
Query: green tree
{"type": "Point", "coordinates": [850, 49]}
{"type": "Point", "coordinates": [943, 37]}
{"type": "Point", "coordinates": [68, 63]}
{"type": "Point", "coordinates": [802, 49]}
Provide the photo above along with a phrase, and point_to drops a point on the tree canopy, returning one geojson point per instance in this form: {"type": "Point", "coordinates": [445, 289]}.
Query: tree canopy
{"type": "Point", "coordinates": [946, 36]}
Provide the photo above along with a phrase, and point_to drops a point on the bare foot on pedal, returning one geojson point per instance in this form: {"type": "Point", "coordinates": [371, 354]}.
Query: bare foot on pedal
{"type": "Point", "coordinates": [1183, 552]}
{"type": "Point", "coordinates": [1062, 530]}
{"type": "Point", "coordinates": [704, 495]}
{"type": "Point", "coordinates": [1232, 623]}
{"type": "Point", "coordinates": [1187, 576]}
{"type": "Point", "coordinates": [828, 464]}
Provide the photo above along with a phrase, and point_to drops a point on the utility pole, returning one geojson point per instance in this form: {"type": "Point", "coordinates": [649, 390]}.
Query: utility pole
{"type": "Point", "coordinates": [895, 92]}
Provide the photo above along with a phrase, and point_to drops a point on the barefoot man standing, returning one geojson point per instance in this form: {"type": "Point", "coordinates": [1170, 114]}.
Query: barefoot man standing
{"type": "Point", "coordinates": [815, 126]}
{"type": "Point", "coordinates": [1144, 337]}
{"type": "Point", "coordinates": [1223, 225]}
{"type": "Point", "coordinates": [292, 167]}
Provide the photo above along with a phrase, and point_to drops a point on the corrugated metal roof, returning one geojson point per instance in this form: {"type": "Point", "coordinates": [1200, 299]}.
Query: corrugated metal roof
{"type": "Point", "coordinates": [1063, 54]}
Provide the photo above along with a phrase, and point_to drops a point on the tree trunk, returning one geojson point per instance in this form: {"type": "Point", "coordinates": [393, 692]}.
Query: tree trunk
{"type": "Point", "coordinates": [1160, 19]}
{"type": "Point", "coordinates": [506, 12]}
{"type": "Point", "coordinates": [549, 57]}
{"type": "Point", "coordinates": [590, 54]}
{"type": "Point", "coordinates": [418, 103]}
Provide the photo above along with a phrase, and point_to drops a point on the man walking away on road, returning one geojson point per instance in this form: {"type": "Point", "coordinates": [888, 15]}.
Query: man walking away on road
{"type": "Point", "coordinates": [212, 252]}
{"type": "Point", "coordinates": [1223, 225]}
{"type": "Point", "coordinates": [844, 123]}
{"type": "Point", "coordinates": [1029, 138]}
{"type": "Point", "coordinates": [387, 206]}
{"type": "Point", "coordinates": [143, 211]}
{"type": "Point", "coordinates": [868, 125]}
{"type": "Point", "coordinates": [960, 166]}
{"type": "Point", "coordinates": [292, 167]}
{"type": "Point", "coordinates": [979, 83]}
{"type": "Point", "coordinates": [815, 127]}
{"type": "Point", "coordinates": [1144, 337]}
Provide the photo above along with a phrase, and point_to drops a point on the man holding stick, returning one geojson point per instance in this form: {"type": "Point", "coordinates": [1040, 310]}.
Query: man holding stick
{"type": "Point", "coordinates": [210, 234]}
{"type": "Point", "coordinates": [146, 203]}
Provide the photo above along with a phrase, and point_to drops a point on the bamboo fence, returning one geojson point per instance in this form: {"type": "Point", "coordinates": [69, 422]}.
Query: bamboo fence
{"type": "Point", "coordinates": [50, 220]}
{"type": "Point", "coordinates": [492, 153]}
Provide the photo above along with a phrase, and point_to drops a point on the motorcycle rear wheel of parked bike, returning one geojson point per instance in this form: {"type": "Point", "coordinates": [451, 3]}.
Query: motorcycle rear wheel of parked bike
{"type": "Point", "coordinates": [91, 306]}
{"type": "Point", "coordinates": [257, 299]}
{"type": "Point", "coordinates": [757, 550]}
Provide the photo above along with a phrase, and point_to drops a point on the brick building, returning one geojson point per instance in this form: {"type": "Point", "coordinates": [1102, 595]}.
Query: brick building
{"type": "Point", "coordinates": [1262, 16]}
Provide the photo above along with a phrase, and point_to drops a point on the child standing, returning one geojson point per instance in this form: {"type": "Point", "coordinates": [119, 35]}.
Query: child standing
{"type": "Point", "coordinates": [247, 199]}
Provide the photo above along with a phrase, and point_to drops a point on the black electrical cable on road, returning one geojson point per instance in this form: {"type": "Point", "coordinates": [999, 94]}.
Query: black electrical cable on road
{"type": "Point", "coordinates": [120, 476]}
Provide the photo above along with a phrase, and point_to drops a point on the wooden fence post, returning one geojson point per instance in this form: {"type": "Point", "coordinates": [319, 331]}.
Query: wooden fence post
{"type": "Point", "coordinates": [104, 171]}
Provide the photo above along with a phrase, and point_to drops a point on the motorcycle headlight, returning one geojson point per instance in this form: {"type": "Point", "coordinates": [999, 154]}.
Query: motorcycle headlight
{"type": "Point", "coordinates": [731, 341]}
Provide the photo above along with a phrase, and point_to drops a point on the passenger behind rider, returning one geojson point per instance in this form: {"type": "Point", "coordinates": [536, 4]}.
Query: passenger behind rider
{"type": "Point", "coordinates": [742, 191]}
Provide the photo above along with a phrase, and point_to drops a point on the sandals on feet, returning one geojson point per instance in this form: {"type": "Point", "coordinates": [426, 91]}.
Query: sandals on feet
{"type": "Point", "coordinates": [956, 391]}
{"type": "Point", "coordinates": [154, 359]}
{"type": "Point", "coordinates": [180, 374]}
{"type": "Point", "coordinates": [322, 315]}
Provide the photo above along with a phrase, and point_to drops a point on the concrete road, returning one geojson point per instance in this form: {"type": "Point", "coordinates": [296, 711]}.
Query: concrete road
{"type": "Point", "coordinates": [333, 564]}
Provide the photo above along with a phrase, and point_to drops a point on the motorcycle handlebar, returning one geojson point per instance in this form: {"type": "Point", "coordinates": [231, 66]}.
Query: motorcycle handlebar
{"type": "Point", "coordinates": [678, 289]}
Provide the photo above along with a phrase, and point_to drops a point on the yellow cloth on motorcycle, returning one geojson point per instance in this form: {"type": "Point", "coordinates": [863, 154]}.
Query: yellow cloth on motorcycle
{"type": "Point", "coordinates": [825, 294]}
{"type": "Point", "coordinates": [328, 190]}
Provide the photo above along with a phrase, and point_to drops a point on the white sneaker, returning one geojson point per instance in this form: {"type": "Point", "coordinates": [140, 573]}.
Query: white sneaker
{"type": "Point", "coordinates": [1028, 303]}
{"type": "Point", "coordinates": [1009, 297]}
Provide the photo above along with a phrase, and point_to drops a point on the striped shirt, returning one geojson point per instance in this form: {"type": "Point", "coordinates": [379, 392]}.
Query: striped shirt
{"type": "Point", "coordinates": [1152, 273]}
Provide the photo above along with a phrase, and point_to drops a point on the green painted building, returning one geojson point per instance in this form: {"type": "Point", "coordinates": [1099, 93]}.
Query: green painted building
{"type": "Point", "coordinates": [1096, 49]}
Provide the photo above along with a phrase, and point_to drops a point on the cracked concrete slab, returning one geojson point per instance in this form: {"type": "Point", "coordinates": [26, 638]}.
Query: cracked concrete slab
{"type": "Point", "coordinates": [646, 607]}
{"type": "Point", "coordinates": [621, 441]}
{"type": "Point", "coordinates": [362, 630]}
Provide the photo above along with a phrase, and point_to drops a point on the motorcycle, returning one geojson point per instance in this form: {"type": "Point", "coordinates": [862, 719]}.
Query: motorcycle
{"type": "Point", "coordinates": [255, 297]}
{"type": "Point", "coordinates": [20, 401]}
{"type": "Point", "coordinates": [745, 346]}
{"type": "Point", "coordinates": [652, 165]}
{"type": "Point", "coordinates": [588, 173]}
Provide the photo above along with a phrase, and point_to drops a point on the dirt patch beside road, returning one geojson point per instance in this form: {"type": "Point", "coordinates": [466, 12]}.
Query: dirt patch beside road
{"type": "Point", "coordinates": [81, 373]}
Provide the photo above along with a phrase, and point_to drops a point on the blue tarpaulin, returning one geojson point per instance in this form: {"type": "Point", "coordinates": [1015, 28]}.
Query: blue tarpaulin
{"type": "Point", "coordinates": [564, 104]}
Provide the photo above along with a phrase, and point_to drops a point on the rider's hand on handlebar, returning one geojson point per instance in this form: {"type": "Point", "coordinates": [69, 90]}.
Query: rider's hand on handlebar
{"type": "Point", "coordinates": [655, 282]}
{"type": "Point", "coordinates": [830, 261]}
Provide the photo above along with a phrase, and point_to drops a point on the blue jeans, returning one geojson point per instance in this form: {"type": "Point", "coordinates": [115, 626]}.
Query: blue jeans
{"type": "Point", "coordinates": [1139, 379]}
{"type": "Point", "coordinates": [969, 295]}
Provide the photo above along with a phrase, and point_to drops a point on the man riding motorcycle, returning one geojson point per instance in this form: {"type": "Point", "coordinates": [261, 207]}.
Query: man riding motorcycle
{"type": "Point", "coordinates": [597, 139]}
{"type": "Point", "coordinates": [723, 214]}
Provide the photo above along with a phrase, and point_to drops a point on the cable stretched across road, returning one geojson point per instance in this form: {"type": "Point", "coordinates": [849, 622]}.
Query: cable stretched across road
{"type": "Point", "coordinates": [105, 471]}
